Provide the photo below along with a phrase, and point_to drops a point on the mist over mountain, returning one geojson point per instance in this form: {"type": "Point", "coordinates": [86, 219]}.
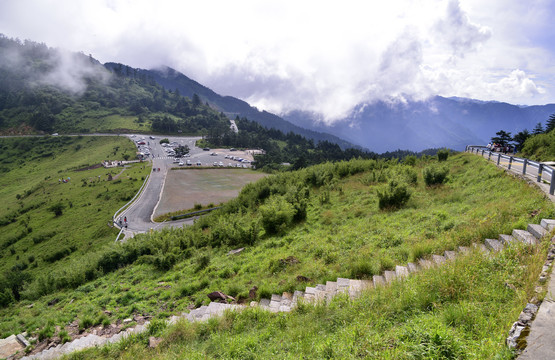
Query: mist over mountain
{"type": "Point", "coordinates": [232, 107]}
{"type": "Point", "coordinates": [417, 125]}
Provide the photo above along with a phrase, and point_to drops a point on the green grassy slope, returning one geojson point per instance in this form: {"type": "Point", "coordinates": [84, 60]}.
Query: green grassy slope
{"type": "Point", "coordinates": [319, 223]}
{"type": "Point", "coordinates": [462, 310]}
{"type": "Point", "coordinates": [34, 241]}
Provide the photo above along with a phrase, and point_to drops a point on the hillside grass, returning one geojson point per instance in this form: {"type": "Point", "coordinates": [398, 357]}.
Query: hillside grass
{"type": "Point", "coordinates": [461, 310]}
{"type": "Point", "coordinates": [34, 240]}
{"type": "Point", "coordinates": [344, 234]}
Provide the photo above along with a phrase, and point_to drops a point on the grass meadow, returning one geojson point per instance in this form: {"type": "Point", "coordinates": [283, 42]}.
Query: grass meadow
{"type": "Point", "coordinates": [307, 227]}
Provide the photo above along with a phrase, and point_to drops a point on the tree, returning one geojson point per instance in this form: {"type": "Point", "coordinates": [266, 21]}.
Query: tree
{"type": "Point", "coordinates": [538, 129]}
{"type": "Point", "coordinates": [181, 150]}
{"type": "Point", "coordinates": [57, 209]}
{"type": "Point", "coordinates": [550, 125]}
{"type": "Point", "coordinates": [502, 138]}
{"type": "Point", "coordinates": [196, 100]}
{"type": "Point", "coordinates": [520, 138]}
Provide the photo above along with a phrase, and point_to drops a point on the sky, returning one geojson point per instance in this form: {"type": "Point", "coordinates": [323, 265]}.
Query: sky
{"type": "Point", "coordinates": [319, 56]}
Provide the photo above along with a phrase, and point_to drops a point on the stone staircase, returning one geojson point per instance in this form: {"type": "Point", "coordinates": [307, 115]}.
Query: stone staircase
{"type": "Point", "coordinates": [324, 293]}
{"type": "Point", "coordinates": [317, 294]}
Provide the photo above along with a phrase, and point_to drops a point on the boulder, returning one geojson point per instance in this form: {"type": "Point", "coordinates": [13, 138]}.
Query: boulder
{"type": "Point", "coordinates": [219, 296]}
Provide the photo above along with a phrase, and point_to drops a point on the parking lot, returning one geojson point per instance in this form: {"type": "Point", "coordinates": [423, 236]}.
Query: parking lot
{"type": "Point", "coordinates": [149, 147]}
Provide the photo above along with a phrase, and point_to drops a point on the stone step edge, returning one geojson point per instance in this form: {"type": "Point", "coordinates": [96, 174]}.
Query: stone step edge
{"type": "Point", "coordinates": [429, 262]}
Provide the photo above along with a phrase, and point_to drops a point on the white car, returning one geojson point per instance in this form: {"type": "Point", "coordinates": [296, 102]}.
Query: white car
{"type": "Point", "coordinates": [176, 160]}
{"type": "Point", "coordinates": [181, 163]}
{"type": "Point", "coordinates": [221, 164]}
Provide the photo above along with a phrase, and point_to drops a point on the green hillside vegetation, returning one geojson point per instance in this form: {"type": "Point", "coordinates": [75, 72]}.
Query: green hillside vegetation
{"type": "Point", "coordinates": [540, 147]}
{"type": "Point", "coordinates": [47, 90]}
{"type": "Point", "coordinates": [302, 228]}
{"type": "Point", "coordinates": [47, 222]}
{"type": "Point", "coordinates": [462, 310]}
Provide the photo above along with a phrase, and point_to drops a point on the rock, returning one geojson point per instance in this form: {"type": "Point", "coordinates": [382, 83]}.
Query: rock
{"type": "Point", "coordinates": [252, 292]}
{"type": "Point", "coordinates": [303, 279]}
{"type": "Point", "coordinates": [514, 340]}
{"type": "Point", "coordinates": [154, 342]}
{"type": "Point", "coordinates": [53, 302]}
{"type": "Point", "coordinates": [218, 295]}
{"type": "Point", "coordinates": [109, 313]}
{"type": "Point", "coordinates": [9, 346]}
{"type": "Point", "coordinates": [127, 321]}
{"type": "Point", "coordinates": [30, 306]}
{"type": "Point", "coordinates": [236, 251]}
{"type": "Point", "coordinates": [253, 304]}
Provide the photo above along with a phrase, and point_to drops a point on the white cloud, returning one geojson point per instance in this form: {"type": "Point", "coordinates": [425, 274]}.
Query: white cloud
{"type": "Point", "coordinates": [313, 55]}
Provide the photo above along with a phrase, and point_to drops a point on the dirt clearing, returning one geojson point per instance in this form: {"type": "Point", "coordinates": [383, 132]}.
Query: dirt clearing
{"type": "Point", "coordinates": [185, 188]}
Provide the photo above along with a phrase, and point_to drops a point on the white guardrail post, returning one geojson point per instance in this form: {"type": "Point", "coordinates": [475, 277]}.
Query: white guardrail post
{"type": "Point", "coordinates": [525, 162]}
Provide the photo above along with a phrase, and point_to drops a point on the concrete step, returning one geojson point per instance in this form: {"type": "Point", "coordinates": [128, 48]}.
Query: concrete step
{"type": "Point", "coordinates": [355, 288]}
{"type": "Point", "coordinates": [525, 237]}
{"type": "Point", "coordinates": [264, 303]}
{"type": "Point", "coordinates": [480, 247]}
{"type": "Point", "coordinates": [296, 296]}
{"type": "Point", "coordinates": [537, 230]}
{"type": "Point", "coordinates": [424, 264]}
{"type": "Point", "coordinates": [378, 280]}
{"type": "Point", "coordinates": [450, 255]}
{"type": "Point", "coordinates": [507, 239]}
{"type": "Point", "coordinates": [412, 267]}
{"type": "Point", "coordinates": [548, 224]}
{"type": "Point", "coordinates": [401, 271]}
{"type": "Point", "coordinates": [331, 287]}
{"type": "Point", "coordinates": [367, 284]}
{"type": "Point", "coordinates": [342, 285]}
{"type": "Point", "coordinates": [321, 287]}
{"type": "Point", "coordinates": [438, 259]}
{"type": "Point", "coordinates": [389, 276]}
{"type": "Point", "coordinates": [464, 249]}
{"type": "Point", "coordinates": [494, 245]}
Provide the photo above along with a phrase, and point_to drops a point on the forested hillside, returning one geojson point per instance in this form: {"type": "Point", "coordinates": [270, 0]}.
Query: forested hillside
{"type": "Point", "coordinates": [49, 90]}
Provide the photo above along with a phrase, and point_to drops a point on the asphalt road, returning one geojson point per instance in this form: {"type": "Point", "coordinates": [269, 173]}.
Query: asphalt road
{"type": "Point", "coordinates": [139, 214]}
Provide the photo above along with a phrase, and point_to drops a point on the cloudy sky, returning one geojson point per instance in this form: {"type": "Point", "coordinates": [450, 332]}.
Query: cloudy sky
{"type": "Point", "coordinates": [322, 56]}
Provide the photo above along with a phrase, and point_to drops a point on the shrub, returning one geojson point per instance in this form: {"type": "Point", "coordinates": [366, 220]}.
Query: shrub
{"type": "Point", "coordinates": [434, 175]}
{"type": "Point", "coordinates": [442, 155]}
{"type": "Point", "coordinates": [393, 196]}
{"type": "Point", "coordinates": [410, 160]}
{"type": "Point", "coordinates": [57, 209]}
{"type": "Point", "coordinates": [277, 214]}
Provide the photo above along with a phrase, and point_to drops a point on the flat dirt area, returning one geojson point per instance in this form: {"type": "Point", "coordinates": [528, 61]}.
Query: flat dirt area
{"type": "Point", "coordinates": [185, 188]}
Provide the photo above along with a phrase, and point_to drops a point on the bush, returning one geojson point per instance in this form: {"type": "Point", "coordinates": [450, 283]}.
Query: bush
{"type": "Point", "coordinates": [57, 209]}
{"type": "Point", "coordinates": [434, 175]}
{"type": "Point", "coordinates": [277, 214]}
{"type": "Point", "coordinates": [394, 196]}
{"type": "Point", "coordinates": [442, 155]}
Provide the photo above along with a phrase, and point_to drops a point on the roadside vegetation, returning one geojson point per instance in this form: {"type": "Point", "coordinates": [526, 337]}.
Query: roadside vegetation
{"type": "Point", "coordinates": [306, 227]}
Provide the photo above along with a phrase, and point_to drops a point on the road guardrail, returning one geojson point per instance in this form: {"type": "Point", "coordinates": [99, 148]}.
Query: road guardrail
{"type": "Point", "coordinates": [543, 172]}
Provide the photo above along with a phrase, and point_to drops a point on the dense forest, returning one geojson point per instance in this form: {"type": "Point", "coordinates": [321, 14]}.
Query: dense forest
{"type": "Point", "coordinates": [48, 90]}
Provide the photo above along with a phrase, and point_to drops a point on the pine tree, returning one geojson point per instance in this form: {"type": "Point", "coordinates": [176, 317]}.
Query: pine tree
{"type": "Point", "coordinates": [550, 125]}
{"type": "Point", "coordinates": [538, 129]}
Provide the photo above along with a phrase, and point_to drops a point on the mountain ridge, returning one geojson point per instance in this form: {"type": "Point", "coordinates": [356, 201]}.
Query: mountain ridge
{"type": "Point", "coordinates": [436, 122]}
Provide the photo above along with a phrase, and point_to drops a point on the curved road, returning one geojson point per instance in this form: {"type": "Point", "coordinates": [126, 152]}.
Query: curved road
{"type": "Point", "coordinates": [139, 214]}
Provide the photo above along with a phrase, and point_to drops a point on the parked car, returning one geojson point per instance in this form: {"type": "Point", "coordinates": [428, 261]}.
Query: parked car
{"type": "Point", "coordinates": [189, 163]}
{"type": "Point", "coordinates": [199, 163]}
{"type": "Point", "coordinates": [181, 163]}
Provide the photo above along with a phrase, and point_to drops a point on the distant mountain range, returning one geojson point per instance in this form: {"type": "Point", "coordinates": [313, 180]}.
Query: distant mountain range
{"type": "Point", "coordinates": [381, 126]}
{"type": "Point", "coordinates": [232, 107]}
{"type": "Point", "coordinates": [436, 122]}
